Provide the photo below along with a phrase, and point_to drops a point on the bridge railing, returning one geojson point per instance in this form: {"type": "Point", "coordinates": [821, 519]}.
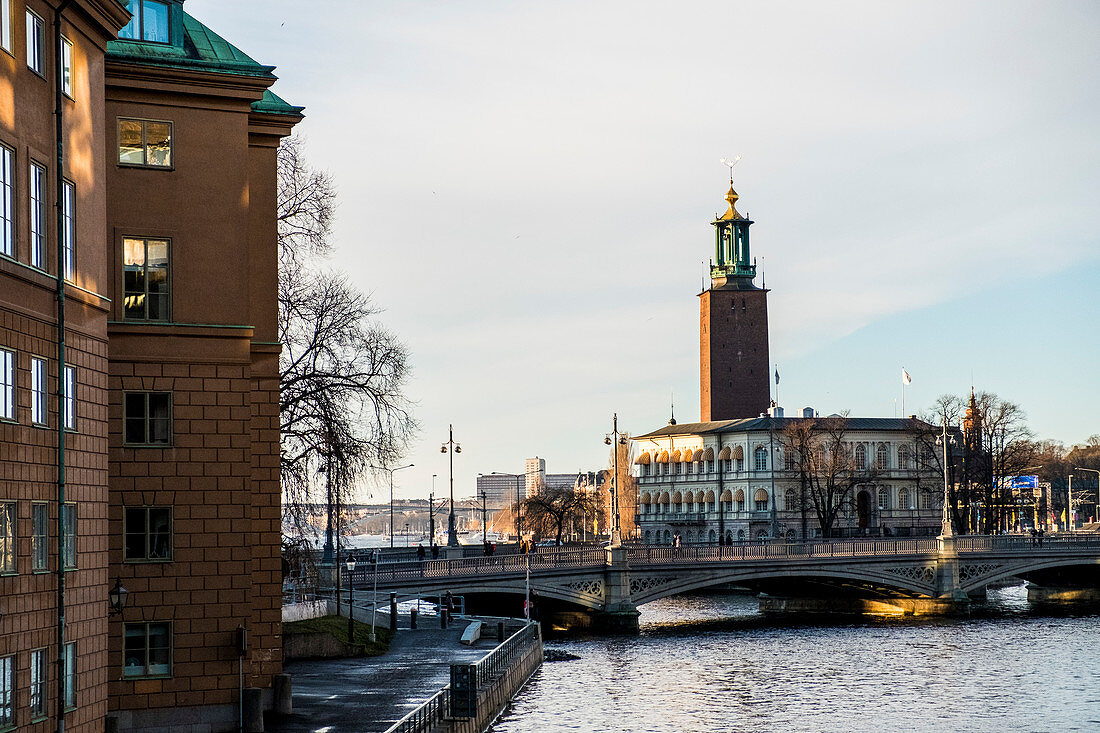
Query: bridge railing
{"type": "Point", "coordinates": [764, 551]}
{"type": "Point", "coordinates": [988, 543]}
{"type": "Point", "coordinates": [420, 569]}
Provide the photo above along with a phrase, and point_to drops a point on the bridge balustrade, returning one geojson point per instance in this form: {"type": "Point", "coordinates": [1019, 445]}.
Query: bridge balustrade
{"type": "Point", "coordinates": [988, 543]}
{"type": "Point", "coordinates": [764, 551]}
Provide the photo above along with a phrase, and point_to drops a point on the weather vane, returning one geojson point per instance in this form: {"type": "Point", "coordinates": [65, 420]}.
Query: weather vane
{"type": "Point", "coordinates": [730, 163]}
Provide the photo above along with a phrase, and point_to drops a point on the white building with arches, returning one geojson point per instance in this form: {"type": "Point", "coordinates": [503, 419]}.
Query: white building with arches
{"type": "Point", "coordinates": [733, 480]}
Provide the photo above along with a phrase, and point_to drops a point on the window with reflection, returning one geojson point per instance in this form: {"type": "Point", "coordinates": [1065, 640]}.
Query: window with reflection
{"type": "Point", "coordinates": [145, 279]}
{"type": "Point", "coordinates": [148, 418]}
{"type": "Point", "coordinates": [145, 143]}
{"type": "Point", "coordinates": [148, 650]}
{"type": "Point", "coordinates": [148, 22]}
{"type": "Point", "coordinates": [148, 533]}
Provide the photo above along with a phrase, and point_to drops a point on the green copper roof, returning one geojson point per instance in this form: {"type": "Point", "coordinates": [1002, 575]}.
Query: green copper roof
{"type": "Point", "coordinates": [200, 49]}
{"type": "Point", "coordinates": [273, 104]}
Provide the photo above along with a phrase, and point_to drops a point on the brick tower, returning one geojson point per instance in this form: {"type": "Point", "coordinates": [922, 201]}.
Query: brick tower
{"type": "Point", "coordinates": [733, 326]}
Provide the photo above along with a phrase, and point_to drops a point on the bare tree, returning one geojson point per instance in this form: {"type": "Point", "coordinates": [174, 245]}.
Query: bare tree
{"type": "Point", "coordinates": [341, 373]}
{"type": "Point", "coordinates": [550, 511]}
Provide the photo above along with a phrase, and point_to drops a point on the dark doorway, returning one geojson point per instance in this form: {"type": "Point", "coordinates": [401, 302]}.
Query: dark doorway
{"type": "Point", "coordinates": [863, 509]}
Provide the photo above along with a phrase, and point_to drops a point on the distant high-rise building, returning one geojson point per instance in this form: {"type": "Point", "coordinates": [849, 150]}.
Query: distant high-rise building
{"type": "Point", "coordinates": [733, 327]}
{"type": "Point", "coordinates": [501, 490]}
{"type": "Point", "coordinates": [535, 472]}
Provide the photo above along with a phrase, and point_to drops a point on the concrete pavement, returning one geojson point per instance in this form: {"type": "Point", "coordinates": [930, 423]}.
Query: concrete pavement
{"type": "Point", "coordinates": [369, 695]}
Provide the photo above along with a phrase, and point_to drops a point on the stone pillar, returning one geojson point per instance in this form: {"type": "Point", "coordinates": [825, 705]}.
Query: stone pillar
{"type": "Point", "coordinates": [619, 612]}
{"type": "Point", "coordinates": [284, 696]}
{"type": "Point", "coordinates": [253, 710]}
{"type": "Point", "coordinates": [947, 574]}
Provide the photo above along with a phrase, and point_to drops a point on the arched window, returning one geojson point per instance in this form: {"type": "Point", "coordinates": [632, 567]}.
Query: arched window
{"type": "Point", "coordinates": [713, 537]}
{"type": "Point", "coordinates": [903, 499]}
{"type": "Point", "coordinates": [926, 500]}
{"type": "Point", "coordinates": [760, 500]}
{"type": "Point", "coordinates": [668, 537]}
{"type": "Point", "coordinates": [790, 500]}
{"type": "Point", "coordinates": [739, 499]}
{"type": "Point", "coordinates": [760, 458]}
{"type": "Point", "coordinates": [710, 466]}
{"type": "Point", "coordinates": [740, 535]}
{"type": "Point", "coordinates": [884, 498]}
{"type": "Point", "coordinates": [648, 537]}
{"type": "Point", "coordinates": [690, 537]}
{"type": "Point", "coordinates": [861, 456]}
{"type": "Point", "coordinates": [762, 535]}
{"type": "Point", "coordinates": [882, 457]}
{"type": "Point", "coordinates": [791, 536]}
{"type": "Point", "coordinates": [788, 460]}
{"type": "Point", "coordinates": [904, 457]}
{"type": "Point", "coordinates": [729, 536]}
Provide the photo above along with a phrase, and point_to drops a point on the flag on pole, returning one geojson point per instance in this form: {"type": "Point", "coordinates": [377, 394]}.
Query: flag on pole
{"type": "Point", "coordinates": [905, 378]}
{"type": "Point", "coordinates": [777, 376]}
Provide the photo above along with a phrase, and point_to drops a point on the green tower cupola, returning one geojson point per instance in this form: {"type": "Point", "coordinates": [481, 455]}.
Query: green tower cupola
{"type": "Point", "coordinates": [732, 267]}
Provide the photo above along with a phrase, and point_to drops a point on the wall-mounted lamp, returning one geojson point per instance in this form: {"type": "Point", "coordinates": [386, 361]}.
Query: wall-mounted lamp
{"type": "Point", "coordinates": [117, 597]}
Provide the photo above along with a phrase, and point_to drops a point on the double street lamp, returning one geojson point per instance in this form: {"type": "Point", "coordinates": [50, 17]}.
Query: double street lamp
{"type": "Point", "coordinates": [391, 471]}
{"type": "Point", "coordinates": [616, 439]}
{"type": "Point", "coordinates": [944, 440]}
{"type": "Point", "coordinates": [451, 447]}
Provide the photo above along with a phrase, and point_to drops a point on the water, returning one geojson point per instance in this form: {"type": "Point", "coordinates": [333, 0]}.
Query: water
{"type": "Point", "coordinates": [713, 663]}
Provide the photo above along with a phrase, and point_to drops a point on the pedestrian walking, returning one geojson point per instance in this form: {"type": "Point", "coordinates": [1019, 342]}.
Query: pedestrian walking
{"type": "Point", "coordinates": [420, 554]}
{"type": "Point", "coordinates": [435, 551]}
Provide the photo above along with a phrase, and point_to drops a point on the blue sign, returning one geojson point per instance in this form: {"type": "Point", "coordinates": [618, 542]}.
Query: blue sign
{"type": "Point", "coordinates": [1022, 482]}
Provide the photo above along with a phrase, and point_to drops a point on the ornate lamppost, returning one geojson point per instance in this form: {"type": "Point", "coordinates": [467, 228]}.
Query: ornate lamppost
{"type": "Point", "coordinates": [616, 439]}
{"type": "Point", "coordinates": [351, 598]}
{"type": "Point", "coordinates": [943, 440]}
{"type": "Point", "coordinates": [451, 447]}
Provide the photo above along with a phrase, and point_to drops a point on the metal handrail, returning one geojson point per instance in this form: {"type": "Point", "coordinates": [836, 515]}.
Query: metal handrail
{"type": "Point", "coordinates": [486, 670]}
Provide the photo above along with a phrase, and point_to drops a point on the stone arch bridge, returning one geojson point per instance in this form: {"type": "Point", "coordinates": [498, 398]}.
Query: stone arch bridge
{"type": "Point", "coordinates": [603, 587]}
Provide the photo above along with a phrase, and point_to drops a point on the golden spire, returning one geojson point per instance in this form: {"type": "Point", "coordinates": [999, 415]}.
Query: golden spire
{"type": "Point", "coordinates": [731, 213]}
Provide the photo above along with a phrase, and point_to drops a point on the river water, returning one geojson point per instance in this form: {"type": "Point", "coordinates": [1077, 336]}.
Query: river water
{"type": "Point", "coordinates": [714, 663]}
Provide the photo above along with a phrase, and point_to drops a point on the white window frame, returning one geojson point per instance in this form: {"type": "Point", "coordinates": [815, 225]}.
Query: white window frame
{"type": "Point", "coordinates": [7, 692]}
{"type": "Point", "coordinates": [36, 43]}
{"type": "Point", "coordinates": [7, 201]}
{"type": "Point", "coordinates": [68, 231]}
{"type": "Point", "coordinates": [39, 185]}
{"type": "Point", "coordinates": [70, 397]}
{"type": "Point", "coordinates": [40, 537]}
{"type": "Point", "coordinates": [5, 25]}
{"type": "Point", "coordinates": [7, 384]}
{"type": "Point", "coordinates": [39, 675]}
{"type": "Point", "coordinates": [70, 675]}
{"type": "Point", "coordinates": [68, 520]}
{"type": "Point", "coordinates": [40, 377]}
{"type": "Point", "coordinates": [67, 67]}
{"type": "Point", "coordinates": [9, 519]}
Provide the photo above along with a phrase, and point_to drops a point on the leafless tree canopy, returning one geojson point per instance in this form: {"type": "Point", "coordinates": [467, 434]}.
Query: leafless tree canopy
{"type": "Point", "coordinates": [551, 511]}
{"type": "Point", "coordinates": [341, 373]}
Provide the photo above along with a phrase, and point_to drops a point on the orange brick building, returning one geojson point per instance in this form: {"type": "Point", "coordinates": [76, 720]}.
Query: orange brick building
{"type": "Point", "coordinates": [155, 421]}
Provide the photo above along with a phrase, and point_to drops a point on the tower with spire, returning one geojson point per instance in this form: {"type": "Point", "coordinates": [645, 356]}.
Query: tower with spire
{"type": "Point", "coordinates": [733, 326]}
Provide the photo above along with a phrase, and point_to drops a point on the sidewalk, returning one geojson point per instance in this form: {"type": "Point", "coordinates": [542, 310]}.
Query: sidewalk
{"type": "Point", "coordinates": [369, 695]}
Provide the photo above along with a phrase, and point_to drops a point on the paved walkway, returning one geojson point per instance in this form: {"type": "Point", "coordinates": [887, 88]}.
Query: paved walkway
{"type": "Point", "coordinates": [371, 694]}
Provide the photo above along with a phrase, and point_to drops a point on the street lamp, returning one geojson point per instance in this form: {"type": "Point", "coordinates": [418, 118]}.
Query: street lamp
{"type": "Point", "coordinates": [117, 597]}
{"type": "Point", "coordinates": [615, 438]}
{"type": "Point", "coordinates": [391, 471]}
{"type": "Point", "coordinates": [451, 447]}
{"type": "Point", "coordinates": [351, 599]}
{"type": "Point", "coordinates": [943, 439]}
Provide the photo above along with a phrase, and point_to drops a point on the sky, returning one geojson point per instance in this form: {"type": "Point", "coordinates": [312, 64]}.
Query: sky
{"type": "Point", "coordinates": [526, 190]}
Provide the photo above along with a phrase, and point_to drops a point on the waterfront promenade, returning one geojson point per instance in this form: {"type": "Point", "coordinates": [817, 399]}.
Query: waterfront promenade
{"type": "Point", "coordinates": [370, 694]}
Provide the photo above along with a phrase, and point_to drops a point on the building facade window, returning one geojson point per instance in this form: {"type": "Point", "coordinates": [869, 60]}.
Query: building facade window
{"type": "Point", "coordinates": [760, 458]}
{"type": "Point", "coordinates": [38, 216]}
{"type": "Point", "coordinates": [38, 684]}
{"type": "Point", "coordinates": [68, 524]}
{"type": "Point", "coordinates": [148, 22]}
{"type": "Point", "coordinates": [70, 675]}
{"type": "Point", "coordinates": [36, 43]}
{"type": "Point", "coordinates": [760, 501]}
{"type": "Point", "coordinates": [903, 499]}
{"type": "Point", "coordinates": [146, 281]}
{"type": "Point", "coordinates": [788, 460]}
{"type": "Point", "coordinates": [926, 500]}
{"type": "Point", "coordinates": [145, 143]}
{"type": "Point", "coordinates": [40, 536]}
{"type": "Point", "coordinates": [904, 457]}
{"type": "Point", "coordinates": [7, 384]}
{"type": "Point", "coordinates": [148, 650]}
{"type": "Point", "coordinates": [7, 537]}
{"type": "Point", "coordinates": [883, 498]}
{"type": "Point", "coordinates": [70, 398]}
{"type": "Point", "coordinates": [38, 390]}
{"type": "Point", "coordinates": [7, 201]}
{"type": "Point", "coordinates": [68, 231]}
{"type": "Point", "coordinates": [882, 457]}
{"type": "Point", "coordinates": [66, 66]}
{"type": "Point", "coordinates": [148, 418]}
{"type": "Point", "coordinates": [7, 692]}
{"type": "Point", "coordinates": [861, 457]}
{"type": "Point", "coordinates": [5, 25]}
{"type": "Point", "coordinates": [148, 533]}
